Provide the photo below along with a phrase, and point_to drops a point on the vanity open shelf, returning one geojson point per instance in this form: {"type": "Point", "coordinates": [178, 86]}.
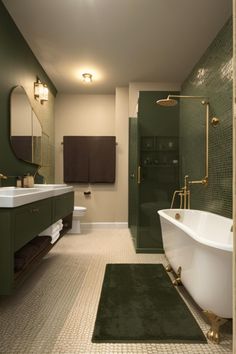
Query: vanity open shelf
{"type": "Point", "coordinates": [21, 225]}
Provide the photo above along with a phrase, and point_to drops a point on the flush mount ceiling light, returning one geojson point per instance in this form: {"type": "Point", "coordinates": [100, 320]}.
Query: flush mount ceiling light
{"type": "Point", "coordinates": [40, 91]}
{"type": "Point", "coordinates": [87, 77]}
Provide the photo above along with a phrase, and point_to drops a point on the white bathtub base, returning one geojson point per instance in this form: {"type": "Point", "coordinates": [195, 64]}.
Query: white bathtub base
{"type": "Point", "coordinates": [201, 243]}
{"type": "Point", "coordinates": [215, 321]}
{"type": "Point", "coordinates": [206, 265]}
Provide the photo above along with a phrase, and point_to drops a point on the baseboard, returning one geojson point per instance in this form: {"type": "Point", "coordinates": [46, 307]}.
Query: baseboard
{"type": "Point", "coordinates": [104, 225]}
{"type": "Point", "coordinates": [149, 250]}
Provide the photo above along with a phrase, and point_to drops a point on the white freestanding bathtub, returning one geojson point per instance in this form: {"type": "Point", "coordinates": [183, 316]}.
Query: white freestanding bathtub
{"type": "Point", "coordinates": [201, 243]}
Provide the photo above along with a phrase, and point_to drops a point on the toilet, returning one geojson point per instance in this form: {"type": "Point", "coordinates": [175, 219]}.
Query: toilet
{"type": "Point", "coordinates": [78, 212]}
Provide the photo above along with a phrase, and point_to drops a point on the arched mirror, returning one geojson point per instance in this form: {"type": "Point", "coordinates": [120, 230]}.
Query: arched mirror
{"type": "Point", "coordinates": [27, 137]}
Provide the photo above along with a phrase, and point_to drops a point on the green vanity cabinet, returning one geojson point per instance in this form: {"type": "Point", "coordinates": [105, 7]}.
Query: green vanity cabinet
{"type": "Point", "coordinates": [29, 220]}
{"type": "Point", "coordinates": [153, 168]}
{"type": "Point", "coordinates": [6, 252]}
{"type": "Point", "coordinates": [21, 224]}
{"type": "Point", "coordinates": [63, 205]}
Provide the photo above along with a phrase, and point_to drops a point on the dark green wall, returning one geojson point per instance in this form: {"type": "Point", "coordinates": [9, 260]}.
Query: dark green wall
{"type": "Point", "coordinates": [18, 66]}
{"type": "Point", "coordinates": [212, 77]}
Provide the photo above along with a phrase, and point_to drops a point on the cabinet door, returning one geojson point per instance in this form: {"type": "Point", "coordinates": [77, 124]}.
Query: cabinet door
{"type": "Point", "coordinates": [63, 205]}
{"type": "Point", "coordinates": [30, 220]}
{"type": "Point", "coordinates": [134, 175]}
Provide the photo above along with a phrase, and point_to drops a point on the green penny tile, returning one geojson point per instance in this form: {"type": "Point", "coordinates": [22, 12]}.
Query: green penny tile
{"type": "Point", "coordinates": [212, 76]}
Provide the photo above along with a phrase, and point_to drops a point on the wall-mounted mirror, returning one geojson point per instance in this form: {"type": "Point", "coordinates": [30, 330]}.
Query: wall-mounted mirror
{"type": "Point", "coordinates": [27, 138]}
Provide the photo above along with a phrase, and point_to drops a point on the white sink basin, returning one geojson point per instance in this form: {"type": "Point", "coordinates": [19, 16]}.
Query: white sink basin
{"type": "Point", "coordinates": [51, 186]}
{"type": "Point", "coordinates": [11, 197]}
{"type": "Point", "coordinates": [56, 189]}
{"type": "Point", "coordinates": [13, 191]}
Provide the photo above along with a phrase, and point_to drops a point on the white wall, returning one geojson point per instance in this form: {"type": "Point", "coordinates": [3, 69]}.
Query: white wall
{"type": "Point", "coordinates": [101, 115]}
{"type": "Point", "coordinates": [122, 134]}
{"type": "Point", "coordinates": [95, 115]}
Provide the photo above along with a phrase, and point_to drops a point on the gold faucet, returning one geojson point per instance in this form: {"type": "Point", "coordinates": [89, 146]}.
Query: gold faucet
{"type": "Point", "coordinates": [2, 176]}
{"type": "Point", "coordinates": [184, 192]}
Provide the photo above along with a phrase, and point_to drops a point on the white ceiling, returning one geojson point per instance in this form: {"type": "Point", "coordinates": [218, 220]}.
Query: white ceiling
{"type": "Point", "coordinates": [119, 41]}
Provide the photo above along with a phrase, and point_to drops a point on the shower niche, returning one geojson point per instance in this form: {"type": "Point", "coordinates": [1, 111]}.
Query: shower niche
{"type": "Point", "coordinates": [159, 151]}
{"type": "Point", "coordinates": [153, 169]}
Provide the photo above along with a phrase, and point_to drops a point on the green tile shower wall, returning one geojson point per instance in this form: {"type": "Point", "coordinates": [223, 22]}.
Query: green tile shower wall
{"type": "Point", "coordinates": [18, 66]}
{"type": "Point", "coordinates": [212, 77]}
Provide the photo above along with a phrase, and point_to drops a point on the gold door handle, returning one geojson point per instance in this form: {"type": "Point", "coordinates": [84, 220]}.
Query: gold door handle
{"type": "Point", "coordinates": [139, 175]}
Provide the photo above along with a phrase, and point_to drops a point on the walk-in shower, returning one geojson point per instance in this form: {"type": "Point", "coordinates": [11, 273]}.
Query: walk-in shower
{"type": "Point", "coordinates": [184, 193]}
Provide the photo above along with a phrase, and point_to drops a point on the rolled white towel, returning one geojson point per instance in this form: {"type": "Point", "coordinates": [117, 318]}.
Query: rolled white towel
{"type": "Point", "coordinates": [60, 224]}
{"type": "Point", "coordinates": [50, 230]}
{"type": "Point", "coordinates": [55, 236]}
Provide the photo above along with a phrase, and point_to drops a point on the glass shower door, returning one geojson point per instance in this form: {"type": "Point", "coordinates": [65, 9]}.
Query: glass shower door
{"type": "Point", "coordinates": [133, 179]}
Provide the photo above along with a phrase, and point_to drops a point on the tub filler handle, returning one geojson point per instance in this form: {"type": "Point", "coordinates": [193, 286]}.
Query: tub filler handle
{"type": "Point", "coordinates": [177, 276]}
{"type": "Point", "coordinates": [177, 281]}
{"type": "Point", "coordinates": [168, 268]}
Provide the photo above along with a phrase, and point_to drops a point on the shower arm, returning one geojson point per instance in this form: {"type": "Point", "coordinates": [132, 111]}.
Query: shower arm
{"type": "Point", "coordinates": [192, 97]}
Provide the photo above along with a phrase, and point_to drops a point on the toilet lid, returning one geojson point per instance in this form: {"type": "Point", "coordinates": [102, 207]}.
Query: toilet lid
{"type": "Point", "coordinates": [80, 208]}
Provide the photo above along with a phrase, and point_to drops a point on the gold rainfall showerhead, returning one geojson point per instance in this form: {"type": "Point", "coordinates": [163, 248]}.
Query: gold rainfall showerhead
{"type": "Point", "coordinates": [170, 101]}
{"type": "Point", "coordinates": [167, 102]}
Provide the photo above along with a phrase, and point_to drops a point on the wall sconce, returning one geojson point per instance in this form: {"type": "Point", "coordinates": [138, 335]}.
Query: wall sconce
{"type": "Point", "coordinates": [44, 96]}
{"type": "Point", "coordinates": [40, 91]}
{"type": "Point", "coordinates": [87, 77]}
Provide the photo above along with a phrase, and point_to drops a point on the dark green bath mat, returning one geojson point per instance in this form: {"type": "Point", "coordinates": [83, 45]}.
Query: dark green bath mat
{"type": "Point", "coordinates": [138, 303]}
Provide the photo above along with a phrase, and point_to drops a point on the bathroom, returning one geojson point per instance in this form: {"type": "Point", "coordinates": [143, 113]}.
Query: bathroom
{"type": "Point", "coordinates": [106, 113]}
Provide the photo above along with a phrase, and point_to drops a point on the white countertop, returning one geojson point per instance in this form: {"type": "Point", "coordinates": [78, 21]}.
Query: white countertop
{"type": "Point", "coordinates": [11, 197]}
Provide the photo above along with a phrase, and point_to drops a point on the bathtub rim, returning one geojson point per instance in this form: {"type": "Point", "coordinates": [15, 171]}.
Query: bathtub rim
{"type": "Point", "coordinates": [186, 229]}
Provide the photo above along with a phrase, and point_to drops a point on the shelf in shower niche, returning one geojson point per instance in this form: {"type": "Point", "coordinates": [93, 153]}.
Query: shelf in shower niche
{"type": "Point", "coordinates": [148, 143]}
{"type": "Point", "coordinates": [162, 165]}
